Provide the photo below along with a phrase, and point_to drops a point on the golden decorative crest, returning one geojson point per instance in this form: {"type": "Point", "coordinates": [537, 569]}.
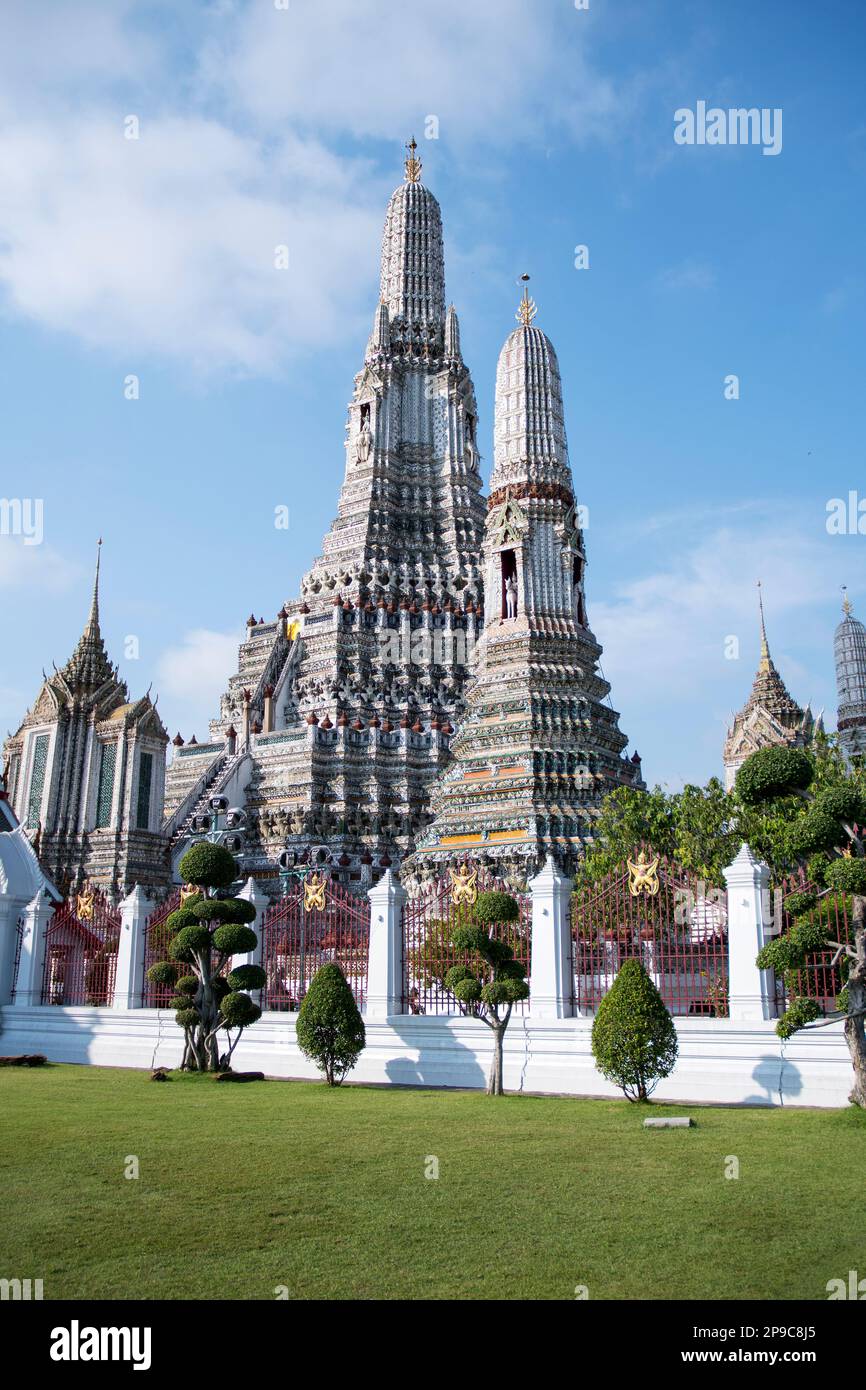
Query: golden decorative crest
{"type": "Point", "coordinates": [188, 890]}
{"type": "Point", "coordinates": [314, 892]}
{"type": "Point", "coordinates": [527, 308]}
{"type": "Point", "coordinates": [413, 164]}
{"type": "Point", "coordinates": [643, 876]}
{"type": "Point", "coordinates": [84, 903]}
{"type": "Point", "coordinates": [464, 885]}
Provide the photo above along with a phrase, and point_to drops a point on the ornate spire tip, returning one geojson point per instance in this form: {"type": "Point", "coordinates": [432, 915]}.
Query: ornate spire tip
{"type": "Point", "coordinates": [413, 164]}
{"type": "Point", "coordinates": [527, 308]}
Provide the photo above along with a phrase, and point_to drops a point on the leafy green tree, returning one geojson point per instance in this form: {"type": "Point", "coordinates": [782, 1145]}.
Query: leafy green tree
{"type": "Point", "coordinates": [695, 827]}
{"type": "Point", "coordinates": [703, 827]}
{"type": "Point", "coordinates": [822, 808]}
{"type": "Point", "coordinates": [330, 1030]}
{"type": "Point", "coordinates": [494, 982]}
{"type": "Point", "coordinates": [634, 1041]}
{"type": "Point", "coordinates": [206, 931]}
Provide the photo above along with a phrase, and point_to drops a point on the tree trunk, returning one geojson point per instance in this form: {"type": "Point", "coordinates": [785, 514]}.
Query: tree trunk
{"type": "Point", "coordinates": [494, 1081]}
{"type": "Point", "coordinates": [855, 1023]}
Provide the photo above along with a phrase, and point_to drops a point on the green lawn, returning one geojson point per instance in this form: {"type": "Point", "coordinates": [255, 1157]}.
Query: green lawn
{"type": "Point", "coordinates": [245, 1188]}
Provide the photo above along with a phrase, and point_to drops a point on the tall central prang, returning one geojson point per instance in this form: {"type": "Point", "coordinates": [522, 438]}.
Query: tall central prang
{"type": "Point", "coordinates": [339, 716]}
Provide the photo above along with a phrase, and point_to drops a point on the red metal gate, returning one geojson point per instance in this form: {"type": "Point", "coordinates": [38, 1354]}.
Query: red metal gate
{"type": "Point", "coordinates": [19, 941]}
{"type": "Point", "coordinates": [428, 921]}
{"type": "Point", "coordinates": [316, 922]}
{"type": "Point", "coordinates": [652, 910]}
{"type": "Point", "coordinates": [818, 979]}
{"type": "Point", "coordinates": [81, 951]}
{"type": "Point", "coordinates": [156, 941]}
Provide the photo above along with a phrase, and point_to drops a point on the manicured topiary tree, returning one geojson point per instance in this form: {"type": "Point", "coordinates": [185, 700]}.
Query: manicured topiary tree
{"type": "Point", "coordinates": [494, 982]}
{"type": "Point", "coordinates": [207, 930]}
{"type": "Point", "coordinates": [826, 835]}
{"type": "Point", "coordinates": [330, 1030]}
{"type": "Point", "coordinates": [634, 1041]}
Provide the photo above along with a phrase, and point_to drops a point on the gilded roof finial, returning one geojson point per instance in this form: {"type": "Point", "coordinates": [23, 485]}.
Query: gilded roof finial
{"type": "Point", "coordinates": [846, 602]}
{"type": "Point", "coordinates": [413, 164]}
{"type": "Point", "coordinates": [527, 308]}
{"type": "Point", "coordinates": [765, 662]}
{"type": "Point", "coordinates": [93, 622]}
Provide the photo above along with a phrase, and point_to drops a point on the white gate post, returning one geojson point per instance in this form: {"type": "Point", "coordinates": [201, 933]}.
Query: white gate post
{"type": "Point", "coordinates": [37, 915]}
{"type": "Point", "coordinates": [385, 966]}
{"type": "Point", "coordinates": [135, 909]}
{"type": "Point", "coordinates": [551, 982]}
{"type": "Point", "coordinates": [251, 894]}
{"type": "Point", "coordinates": [11, 911]}
{"type": "Point", "coordinates": [751, 992]}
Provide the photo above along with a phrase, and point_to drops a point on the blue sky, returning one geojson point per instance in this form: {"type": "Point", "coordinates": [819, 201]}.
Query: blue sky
{"type": "Point", "coordinates": [260, 127]}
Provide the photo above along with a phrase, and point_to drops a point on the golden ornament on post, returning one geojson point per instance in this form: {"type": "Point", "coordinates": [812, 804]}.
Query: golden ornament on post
{"type": "Point", "coordinates": [314, 893]}
{"type": "Point", "coordinates": [84, 903]}
{"type": "Point", "coordinates": [464, 885]}
{"type": "Point", "coordinates": [643, 875]}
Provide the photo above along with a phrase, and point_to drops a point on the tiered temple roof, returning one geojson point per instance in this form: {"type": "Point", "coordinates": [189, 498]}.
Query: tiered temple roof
{"type": "Point", "coordinates": [770, 716]}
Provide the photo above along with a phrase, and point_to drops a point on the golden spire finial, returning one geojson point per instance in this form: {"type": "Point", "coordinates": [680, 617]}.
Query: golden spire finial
{"type": "Point", "coordinates": [765, 648]}
{"type": "Point", "coordinates": [527, 308]}
{"type": "Point", "coordinates": [846, 602]}
{"type": "Point", "coordinates": [413, 164]}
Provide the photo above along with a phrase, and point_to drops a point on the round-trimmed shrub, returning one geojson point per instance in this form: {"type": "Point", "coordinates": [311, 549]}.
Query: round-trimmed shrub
{"type": "Point", "coordinates": [238, 1010]}
{"type": "Point", "coordinates": [217, 910]}
{"type": "Point", "coordinates": [187, 1018]}
{"type": "Point", "coordinates": [634, 1041]}
{"type": "Point", "coordinates": [848, 875]}
{"type": "Point", "coordinates": [187, 984]}
{"type": "Point", "coordinates": [801, 1012]}
{"type": "Point", "coordinates": [180, 918]}
{"type": "Point", "coordinates": [797, 904]}
{"type": "Point", "coordinates": [467, 990]}
{"type": "Point", "coordinates": [194, 938]}
{"type": "Point", "coordinates": [234, 939]}
{"type": "Point", "coordinates": [242, 910]}
{"type": "Point", "coordinates": [330, 1029]}
{"type": "Point", "coordinates": [248, 977]}
{"type": "Point", "coordinates": [815, 831]}
{"type": "Point", "coordinates": [208, 866]}
{"type": "Point", "coordinates": [162, 973]}
{"type": "Point", "coordinates": [773, 772]}
{"type": "Point", "coordinates": [469, 937]}
{"type": "Point", "coordinates": [844, 803]}
{"type": "Point", "coordinates": [493, 907]}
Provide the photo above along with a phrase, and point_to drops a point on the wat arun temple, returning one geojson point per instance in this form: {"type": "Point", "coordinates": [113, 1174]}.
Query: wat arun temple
{"type": "Point", "coordinates": [432, 694]}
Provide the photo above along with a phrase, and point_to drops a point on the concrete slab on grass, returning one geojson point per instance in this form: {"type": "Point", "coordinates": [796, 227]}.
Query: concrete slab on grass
{"type": "Point", "coordinates": [672, 1122]}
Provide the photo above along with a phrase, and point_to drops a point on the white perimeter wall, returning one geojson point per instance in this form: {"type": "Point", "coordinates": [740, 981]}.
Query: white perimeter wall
{"type": "Point", "coordinates": [721, 1061]}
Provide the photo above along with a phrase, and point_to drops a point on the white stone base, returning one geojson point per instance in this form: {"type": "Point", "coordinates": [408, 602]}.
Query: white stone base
{"type": "Point", "coordinates": [721, 1061]}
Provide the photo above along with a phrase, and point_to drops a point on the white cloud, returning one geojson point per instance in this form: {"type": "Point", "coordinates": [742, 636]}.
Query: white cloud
{"type": "Point", "coordinates": [494, 68]}
{"type": "Point", "coordinates": [191, 676]}
{"type": "Point", "coordinates": [689, 275]}
{"type": "Point", "coordinates": [34, 567]}
{"type": "Point", "coordinates": [166, 244]}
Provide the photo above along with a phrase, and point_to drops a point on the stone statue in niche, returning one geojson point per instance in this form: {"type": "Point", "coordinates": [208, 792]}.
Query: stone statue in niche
{"type": "Point", "coordinates": [365, 442]}
{"type": "Point", "coordinates": [511, 597]}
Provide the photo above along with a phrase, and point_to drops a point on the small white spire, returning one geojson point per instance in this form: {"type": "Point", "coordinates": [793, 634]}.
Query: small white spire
{"type": "Point", "coordinates": [452, 334]}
